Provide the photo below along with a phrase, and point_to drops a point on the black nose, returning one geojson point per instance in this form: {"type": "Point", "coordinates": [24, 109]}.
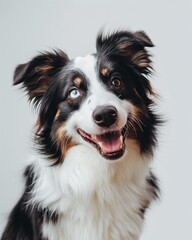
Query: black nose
{"type": "Point", "coordinates": [105, 116]}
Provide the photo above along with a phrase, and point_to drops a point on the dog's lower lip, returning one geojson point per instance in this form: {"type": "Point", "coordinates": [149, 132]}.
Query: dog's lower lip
{"type": "Point", "coordinates": [110, 144]}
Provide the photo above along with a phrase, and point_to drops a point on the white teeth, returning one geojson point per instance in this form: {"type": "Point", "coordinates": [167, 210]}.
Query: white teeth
{"type": "Point", "coordinates": [94, 137]}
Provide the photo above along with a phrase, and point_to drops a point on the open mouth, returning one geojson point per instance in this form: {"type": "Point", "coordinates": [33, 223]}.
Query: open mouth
{"type": "Point", "coordinates": [110, 144]}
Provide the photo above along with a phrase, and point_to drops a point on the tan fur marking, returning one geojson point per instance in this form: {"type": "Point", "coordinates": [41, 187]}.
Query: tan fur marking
{"type": "Point", "coordinates": [136, 111]}
{"type": "Point", "coordinates": [43, 68]}
{"type": "Point", "coordinates": [57, 114]}
{"type": "Point", "coordinates": [141, 59]}
{"type": "Point", "coordinates": [77, 82]}
{"type": "Point", "coordinates": [105, 71]}
{"type": "Point", "coordinates": [123, 45]}
{"type": "Point", "coordinates": [64, 141]}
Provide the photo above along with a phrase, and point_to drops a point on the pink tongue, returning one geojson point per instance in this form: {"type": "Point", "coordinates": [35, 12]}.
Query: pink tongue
{"type": "Point", "coordinates": [110, 142]}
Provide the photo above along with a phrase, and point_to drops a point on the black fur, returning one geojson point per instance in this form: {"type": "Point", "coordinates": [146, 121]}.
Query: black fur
{"type": "Point", "coordinates": [25, 220]}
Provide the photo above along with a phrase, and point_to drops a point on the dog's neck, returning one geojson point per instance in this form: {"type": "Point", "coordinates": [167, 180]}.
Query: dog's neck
{"type": "Point", "coordinates": [83, 172]}
{"type": "Point", "coordinates": [101, 194]}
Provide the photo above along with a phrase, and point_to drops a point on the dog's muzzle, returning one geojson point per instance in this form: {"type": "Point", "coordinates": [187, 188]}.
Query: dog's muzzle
{"type": "Point", "coordinates": [111, 143]}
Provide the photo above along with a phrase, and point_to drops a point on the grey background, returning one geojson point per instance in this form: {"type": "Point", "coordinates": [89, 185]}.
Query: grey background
{"type": "Point", "coordinates": [27, 27]}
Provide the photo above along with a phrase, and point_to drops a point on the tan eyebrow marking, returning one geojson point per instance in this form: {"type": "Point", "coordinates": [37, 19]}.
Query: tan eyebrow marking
{"type": "Point", "coordinates": [105, 71]}
{"type": "Point", "coordinates": [77, 81]}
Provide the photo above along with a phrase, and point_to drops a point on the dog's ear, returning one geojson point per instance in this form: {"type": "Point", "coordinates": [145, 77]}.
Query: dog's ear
{"type": "Point", "coordinates": [38, 74]}
{"type": "Point", "coordinates": [131, 46]}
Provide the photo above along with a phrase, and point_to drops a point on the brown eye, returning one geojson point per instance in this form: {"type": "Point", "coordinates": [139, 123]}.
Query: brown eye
{"type": "Point", "coordinates": [116, 83]}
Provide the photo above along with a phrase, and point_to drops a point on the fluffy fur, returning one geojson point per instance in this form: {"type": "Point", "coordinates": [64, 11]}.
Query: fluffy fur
{"type": "Point", "coordinates": [95, 134]}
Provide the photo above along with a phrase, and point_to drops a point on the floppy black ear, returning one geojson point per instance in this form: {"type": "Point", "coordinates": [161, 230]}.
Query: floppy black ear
{"type": "Point", "coordinates": [37, 75]}
{"type": "Point", "coordinates": [131, 46]}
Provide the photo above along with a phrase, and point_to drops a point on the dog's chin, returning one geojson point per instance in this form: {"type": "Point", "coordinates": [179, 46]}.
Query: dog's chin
{"type": "Point", "coordinates": [111, 144]}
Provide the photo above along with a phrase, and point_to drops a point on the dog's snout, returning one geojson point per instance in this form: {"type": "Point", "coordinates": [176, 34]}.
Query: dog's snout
{"type": "Point", "coordinates": [105, 116]}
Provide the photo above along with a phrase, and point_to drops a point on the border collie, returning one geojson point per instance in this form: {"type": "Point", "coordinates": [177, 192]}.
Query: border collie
{"type": "Point", "coordinates": [95, 134]}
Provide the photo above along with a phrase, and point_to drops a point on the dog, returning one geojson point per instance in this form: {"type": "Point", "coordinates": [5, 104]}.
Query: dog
{"type": "Point", "coordinates": [95, 136]}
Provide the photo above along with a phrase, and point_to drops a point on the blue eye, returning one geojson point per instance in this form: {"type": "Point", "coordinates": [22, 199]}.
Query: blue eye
{"type": "Point", "coordinates": [74, 93]}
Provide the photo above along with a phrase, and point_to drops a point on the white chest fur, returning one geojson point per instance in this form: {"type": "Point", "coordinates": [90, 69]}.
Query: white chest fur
{"type": "Point", "coordinates": [96, 199]}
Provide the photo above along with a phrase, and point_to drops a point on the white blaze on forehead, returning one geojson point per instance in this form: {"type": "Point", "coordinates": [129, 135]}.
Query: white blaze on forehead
{"type": "Point", "coordinates": [87, 65]}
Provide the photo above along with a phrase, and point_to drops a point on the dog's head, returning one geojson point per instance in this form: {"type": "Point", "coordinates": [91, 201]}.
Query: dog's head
{"type": "Point", "coordinates": [98, 100]}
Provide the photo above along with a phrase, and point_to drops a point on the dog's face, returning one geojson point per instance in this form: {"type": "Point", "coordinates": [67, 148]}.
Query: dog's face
{"type": "Point", "coordinates": [100, 116]}
{"type": "Point", "coordinates": [98, 100]}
